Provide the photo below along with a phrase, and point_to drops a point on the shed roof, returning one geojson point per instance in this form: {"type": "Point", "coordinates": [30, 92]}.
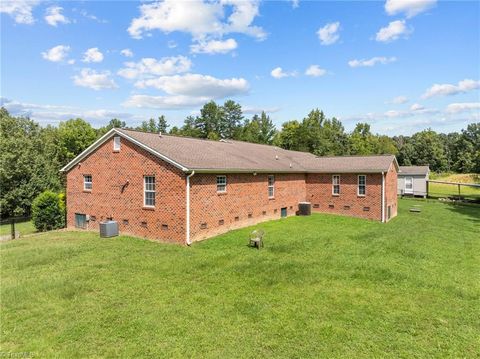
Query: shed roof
{"type": "Point", "coordinates": [204, 155]}
{"type": "Point", "coordinates": [414, 170]}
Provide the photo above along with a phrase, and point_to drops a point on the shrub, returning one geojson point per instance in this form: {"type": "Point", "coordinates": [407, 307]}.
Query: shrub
{"type": "Point", "coordinates": [48, 211]}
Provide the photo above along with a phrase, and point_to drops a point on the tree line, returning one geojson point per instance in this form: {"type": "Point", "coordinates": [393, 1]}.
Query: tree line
{"type": "Point", "coordinates": [31, 155]}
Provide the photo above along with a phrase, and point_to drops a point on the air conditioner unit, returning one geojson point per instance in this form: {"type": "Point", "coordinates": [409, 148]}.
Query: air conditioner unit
{"type": "Point", "coordinates": [108, 229]}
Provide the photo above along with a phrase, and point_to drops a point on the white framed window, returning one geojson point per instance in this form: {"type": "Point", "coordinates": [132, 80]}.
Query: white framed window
{"type": "Point", "coordinates": [221, 183]}
{"type": "Point", "coordinates": [149, 191]}
{"type": "Point", "coordinates": [336, 185]}
{"type": "Point", "coordinates": [362, 185]}
{"type": "Point", "coordinates": [271, 186]}
{"type": "Point", "coordinates": [87, 182]}
{"type": "Point", "coordinates": [116, 143]}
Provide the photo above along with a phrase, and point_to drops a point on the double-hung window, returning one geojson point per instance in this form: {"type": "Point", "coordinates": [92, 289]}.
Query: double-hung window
{"type": "Point", "coordinates": [271, 186]}
{"type": "Point", "coordinates": [87, 182]}
{"type": "Point", "coordinates": [336, 185]}
{"type": "Point", "coordinates": [149, 191]}
{"type": "Point", "coordinates": [221, 184]}
{"type": "Point", "coordinates": [362, 185]}
{"type": "Point", "coordinates": [116, 143]}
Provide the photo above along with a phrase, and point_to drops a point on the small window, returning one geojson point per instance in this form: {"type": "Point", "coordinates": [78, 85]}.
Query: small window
{"type": "Point", "coordinates": [271, 186]}
{"type": "Point", "coordinates": [116, 143]}
{"type": "Point", "coordinates": [336, 185]}
{"type": "Point", "coordinates": [87, 182]}
{"type": "Point", "coordinates": [221, 183]}
{"type": "Point", "coordinates": [149, 191]}
{"type": "Point", "coordinates": [362, 184]}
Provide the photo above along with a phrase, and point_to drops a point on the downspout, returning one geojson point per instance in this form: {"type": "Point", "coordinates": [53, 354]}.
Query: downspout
{"type": "Point", "coordinates": [383, 197]}
{"type": "Point", "coordinates": [188, 209]}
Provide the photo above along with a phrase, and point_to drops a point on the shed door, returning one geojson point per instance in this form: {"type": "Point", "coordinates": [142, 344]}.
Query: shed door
{"type": "Point", "coordinates": [408, 185]}
{"type": "Point", "coordinates": [283, 212]}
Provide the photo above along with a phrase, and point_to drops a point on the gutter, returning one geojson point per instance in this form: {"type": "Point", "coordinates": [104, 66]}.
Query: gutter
{"type": "Point", "coordinates": [187, 239]}
{"type": "Point", "coordinates": [383, 197]}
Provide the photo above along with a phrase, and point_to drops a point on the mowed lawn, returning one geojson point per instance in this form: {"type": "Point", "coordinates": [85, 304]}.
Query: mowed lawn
{"type": "Point", "coordinates": [438, 190]}
{"type": "Point", "coordinates": [323, 286]}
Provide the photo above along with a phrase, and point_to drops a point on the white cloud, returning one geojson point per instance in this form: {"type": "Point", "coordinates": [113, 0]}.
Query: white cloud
{"type": "Point", "coordinates": [399, 100]}
{"type": "Point", "coordinates": [93, 55]}
{"type": "Point", "coordinates": [371, 62]}
{"type": "Point", "coordinates": [463, 107]}
{"type": "Point", "coordinates": [94, 80]}
{"type": "Point", "coordinates": [329, 33]}
{"type": "Point", "coordinates": [449, 89]}
{"type": "Point", "coordinates": [393, 31]}
{"type": "Point", "coordinates": [409, 7]}
{"type": "Point", "coordinates": [214, 46]}
{"type": "Point", "coordinates": [54, 16]}
{"type": "Point", "coordinates": [278, 73]}
{"type": "Point", "coordinates": [171, 44]}
{"type": "Point", "coordinates": [53, 113]}
{"type": "Point", "coordinates": [295, 3]}
{"type": "Point", "coordinates": [57, 53]}
{"type": "Point", "coordinates": [199, 18]}
{"type": "Point", "coordinates": [164, 102]}
{"type": "Point", "coordinates": [19, 10]}
{"type": "Point", "coordinates": [416, 107]}
{"type": "Point", "coordinates": [148, 67]}
{"type": "Point", "coordinates": [315, 71]}
{"type": "Point", "coordinates": [197, 85]}
{"type": "Point", "coordinates": [257, 110]}
{"type": "Point", "coordinates": [127, 53]}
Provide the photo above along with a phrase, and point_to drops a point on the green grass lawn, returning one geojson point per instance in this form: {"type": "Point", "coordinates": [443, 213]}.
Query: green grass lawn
{"type": "Point", "coordinates": [23, 227]}
{"type": "Point", "coordinates": [437, 190]}
{"type": "Point", "coordinates": [323, 286]}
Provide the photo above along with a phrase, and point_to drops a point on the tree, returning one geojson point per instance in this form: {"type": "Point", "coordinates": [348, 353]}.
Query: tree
{"type": "Point", "coordinates": [267, 129]}
{"type": "Point", "coordinates": [75, 135]}
{"type": "Point", "coordinates": [154, 126]}
{"type": "Point", "coordinates": [428, 149]}
{"type": "Point", "coordinates": [210, 122]}
{"type": "Point", "coordinates": [361, 140]}
{"type": "Point", "coordinates": [231, 119]}
{"type": "Point", "coordinates": [332, 141]}
{"type": "Point", "coordinates": [28, 163]}
{"type": "Point", "coordinates": [48, 211]}
{"type": "Point", "coordinates": [289, 136]}
{"type": "Point", "coordinates": [114, 123]}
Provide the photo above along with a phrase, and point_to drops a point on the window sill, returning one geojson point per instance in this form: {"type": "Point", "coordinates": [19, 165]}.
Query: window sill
{"type": "Point", "coordinates": [87, 191]}
{"type": "Point", "coordinates": [271, 198]}
{"type": "Point", "coordinates": [222, 193]}
{"type": "Point", "coordinates": [116, 151]}
{"type": "Point", "coordinates": [149, 208]}
{"type": "Point", "coordinates": [335, 195]}
{"type": "Point", "coordinates": [361, 195]}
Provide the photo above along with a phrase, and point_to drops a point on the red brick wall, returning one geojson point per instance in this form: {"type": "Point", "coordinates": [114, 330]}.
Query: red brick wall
{"type": "Point", "coordinates": [391, 191]}
{"type": "Point", "coordinates": [319, 193]}
{"type": "Point", "coordinates": [110, 171]}
{"type": "Point", "coordinates": [246, 195]}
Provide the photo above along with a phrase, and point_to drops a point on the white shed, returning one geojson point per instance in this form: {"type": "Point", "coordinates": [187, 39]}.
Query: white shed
{"type": "Point", "coordinates": [412, 180]}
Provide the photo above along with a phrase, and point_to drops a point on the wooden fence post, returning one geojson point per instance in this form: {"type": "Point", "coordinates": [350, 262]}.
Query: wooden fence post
{"type": "Point", "coordinates": [12, 228]}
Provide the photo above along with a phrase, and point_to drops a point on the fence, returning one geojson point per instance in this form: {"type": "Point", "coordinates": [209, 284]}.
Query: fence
{"type": "Point", "coordinates": [454, 190]}
{"type": "Point", "coordinates": [15, 227]}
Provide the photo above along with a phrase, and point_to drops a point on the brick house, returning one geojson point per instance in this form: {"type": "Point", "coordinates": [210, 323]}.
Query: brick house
{"type": "Point", "coordinates": [184, 189]}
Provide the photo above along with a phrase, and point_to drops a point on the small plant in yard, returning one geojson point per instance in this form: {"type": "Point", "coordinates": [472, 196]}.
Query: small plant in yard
{"type": "Point", "coordinates": [48, 211]}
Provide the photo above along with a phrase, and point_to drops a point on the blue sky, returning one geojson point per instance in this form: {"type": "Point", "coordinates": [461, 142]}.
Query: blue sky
{"type": "Point", "coordinates": [401, 66]}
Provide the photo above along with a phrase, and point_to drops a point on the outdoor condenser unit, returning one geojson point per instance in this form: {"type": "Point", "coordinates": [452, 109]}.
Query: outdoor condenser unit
{"type": "Point", "coordinates": [304, 208]}
{"type": "Point", "coordinates": [108, 229]}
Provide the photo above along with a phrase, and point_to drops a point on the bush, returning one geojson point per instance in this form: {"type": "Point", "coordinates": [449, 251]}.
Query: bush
{"type": "Point", "coordinates": [48, 211]}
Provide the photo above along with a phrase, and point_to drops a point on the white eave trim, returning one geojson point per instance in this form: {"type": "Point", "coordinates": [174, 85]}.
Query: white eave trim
{"type": "Point", "coordinates": [110, 134]}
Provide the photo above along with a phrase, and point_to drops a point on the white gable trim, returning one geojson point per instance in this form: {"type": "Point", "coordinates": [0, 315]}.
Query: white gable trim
{"type": "Point", "coordinates": [110, 134]}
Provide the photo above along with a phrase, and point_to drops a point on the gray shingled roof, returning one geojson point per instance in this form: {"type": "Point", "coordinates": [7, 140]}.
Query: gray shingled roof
{"type": "Point", "coordinates": [414, 170]}
{"type": "Point", "coordinates": [207, 155]}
